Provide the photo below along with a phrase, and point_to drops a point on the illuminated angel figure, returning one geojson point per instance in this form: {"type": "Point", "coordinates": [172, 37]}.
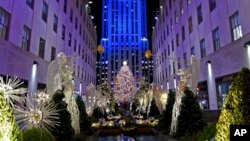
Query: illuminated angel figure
{"type": "Point", "coordinates": [60, 75]}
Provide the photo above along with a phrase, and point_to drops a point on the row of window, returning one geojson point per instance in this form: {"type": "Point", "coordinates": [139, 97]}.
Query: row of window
{"type": "Point", "coordinates": [30, 3]}
{"type": "Point", "coordinates": [212, 6]}
{"type": "Point", "coordinates": [45, 11]}
{"type": "Point", "coordinates": [26, 38]}
{"type": "Point", "coordinates": [235, 29]}
{"type": "Point", "coordinates": [236, 34]}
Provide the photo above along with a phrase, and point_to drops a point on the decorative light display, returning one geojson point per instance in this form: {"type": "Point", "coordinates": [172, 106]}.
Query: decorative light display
{"type": "Point", "coordinates": [100, 49]}
{"type": "Point", "coordinates": [37, 116]}
{"type": "Point", "coordinates": [158, 92]}
{"type": "Point", "coordinates": [11, 91]}
{"type": "Point", "coordinates": [60, 74]}
{"type": "Point", "coordinates": [188, 77]}
{"type": "Point", "coordinates": [125, 89]}
{"type": "Point", "coordinates": [148, 54]}
{"type": "Point", "coordinates": [9, 130]}
{"type": "Point", "coordinates": [96, 99]}
{"type": "Point", "coordinates": [42, 97]}
{"type": "Point", "coordinates": [164, 98]}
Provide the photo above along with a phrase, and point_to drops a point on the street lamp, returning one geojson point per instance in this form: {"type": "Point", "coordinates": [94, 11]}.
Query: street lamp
{"type": "Point", "coordinates": [148, 55]}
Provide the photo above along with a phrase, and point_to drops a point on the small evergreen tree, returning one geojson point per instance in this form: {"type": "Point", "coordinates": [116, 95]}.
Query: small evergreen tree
{"type": "Point", "coordinates": [85, 125]}
{"type": "Point", "coordinates": [154, 111]}
{"type": "Point", "coordinates": [97, 114]}
{"type": "Point", "coordinates": [236, 109]}
{"type": "Point", "coordinates": [190, 119]}
{"type": "Point", "coordinates": [37, 134]}
{"type": "Point", "coordinates": [165, 121]}
{"type": "Point", "coordinates": [65, 131]}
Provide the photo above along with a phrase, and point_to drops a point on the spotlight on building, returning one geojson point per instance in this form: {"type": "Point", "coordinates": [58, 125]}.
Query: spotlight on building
{"type": "Point", "coordinates": [33, 78]}
{"type": "Point", "coordinates": [247, 44]}
{"type": "Point", "coordinates": [80, 88]}
{"type": "Point", "coordinates": [209, 62]}
{"type": "Point", "coordinates": [36, 63]}
{"type": "Point", "coordinates": [90, 2]}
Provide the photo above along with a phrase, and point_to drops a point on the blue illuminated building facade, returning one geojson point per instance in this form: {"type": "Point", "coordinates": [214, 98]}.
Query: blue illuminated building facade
{"type": "Point", "coordinates": [124, 36]}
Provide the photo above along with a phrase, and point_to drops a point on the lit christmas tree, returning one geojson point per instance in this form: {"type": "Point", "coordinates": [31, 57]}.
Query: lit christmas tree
{"type": "Point", "coordinates": [125, 89]}
{"type": "Point", "coordinates": [236, 108]}
{"type": "Point", "coordinates": [10, 93]}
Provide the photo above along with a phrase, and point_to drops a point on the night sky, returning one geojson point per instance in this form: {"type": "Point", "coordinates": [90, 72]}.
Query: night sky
{"type": "Point", "coordinates": [96, 11]}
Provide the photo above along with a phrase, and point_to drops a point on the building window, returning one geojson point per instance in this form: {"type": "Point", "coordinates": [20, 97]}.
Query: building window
{"type": "Point", "coordinates": [169, 68]}
{"type": "Point", "coordinates": [45, 11]}
{"type": "Point", "coordinates": [76, 24]}
{"type": "Point", "coordinates": [178, 63]}
{"type": "Point", "coordinates": [170, 4]}
{"type": "Point", "coordinates": [199, 14]}
{"type": "Point", "coordinates": [235, 26]}
{"type": "Point", "coordinates": [168, 50]}
{"type": "Point", "coordinates": [192, 51]}
{"type": "Point", "coordinates": [185, 59]}
{"type": "Point", "coordinates": [63, 32]}
{"type": "Point", "coordinates": [30, 3]}
{"type": "Point", "coordinates": [190, 24]}
{"type": "Point", "coordinates": [70, 39]}
{"type": "Point", "coordinates": [183, 33]}
{"type": "Point", "coordinates": [176, 16]}
{"type": "Point", "coordinates": [177, 40]}
{"type": "Point", "coordinates": [79, 50]}
{"type": "Point", "coordinates": [4, 24]}
{"type": "Point", "coordinates": [181, 7]}
{"type": "Point", "coordinates": [80, 30]}
{"type": "Point", "coordinates": [216, 38]}
{"type": "Point", "coordinates": [55, 23]}
{"type": "Point", "coordinates": [223, 89]}
{"type": "Point", "coordinates": [174, 68]}
{"type": "Point", "coordinates": [71, 15]}
{"type": "Point", "coordinates": [53, 53]}
{"type": "Point", "coordinates": [166, 11]}
{"type": "Point", "coordinates": [212, 4]}
{"type": "Point", "coordinates": [172, 42]}
{"type": "Point", "coordinates": [203, 48]}
{"type": "Point", "coordinates": [167, 30]}
{"type": "Point", "coordinates": [41, 48]}
{"type": "Point", "coordinates": [77, 3]}
{"type": "Point", "coordinates": [75, 45]}
{"type": "Point", "coordinates": [65, 6]}
{"type": "Point", "coordinates": [26, 38]}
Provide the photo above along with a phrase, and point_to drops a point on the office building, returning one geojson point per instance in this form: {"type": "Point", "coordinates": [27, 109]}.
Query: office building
{"type": "Point", "coordinates": [216, 32]}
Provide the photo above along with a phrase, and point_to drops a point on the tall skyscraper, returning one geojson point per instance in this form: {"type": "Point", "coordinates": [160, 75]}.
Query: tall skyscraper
{"type": "Point", "coordinates": [124, 36]}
